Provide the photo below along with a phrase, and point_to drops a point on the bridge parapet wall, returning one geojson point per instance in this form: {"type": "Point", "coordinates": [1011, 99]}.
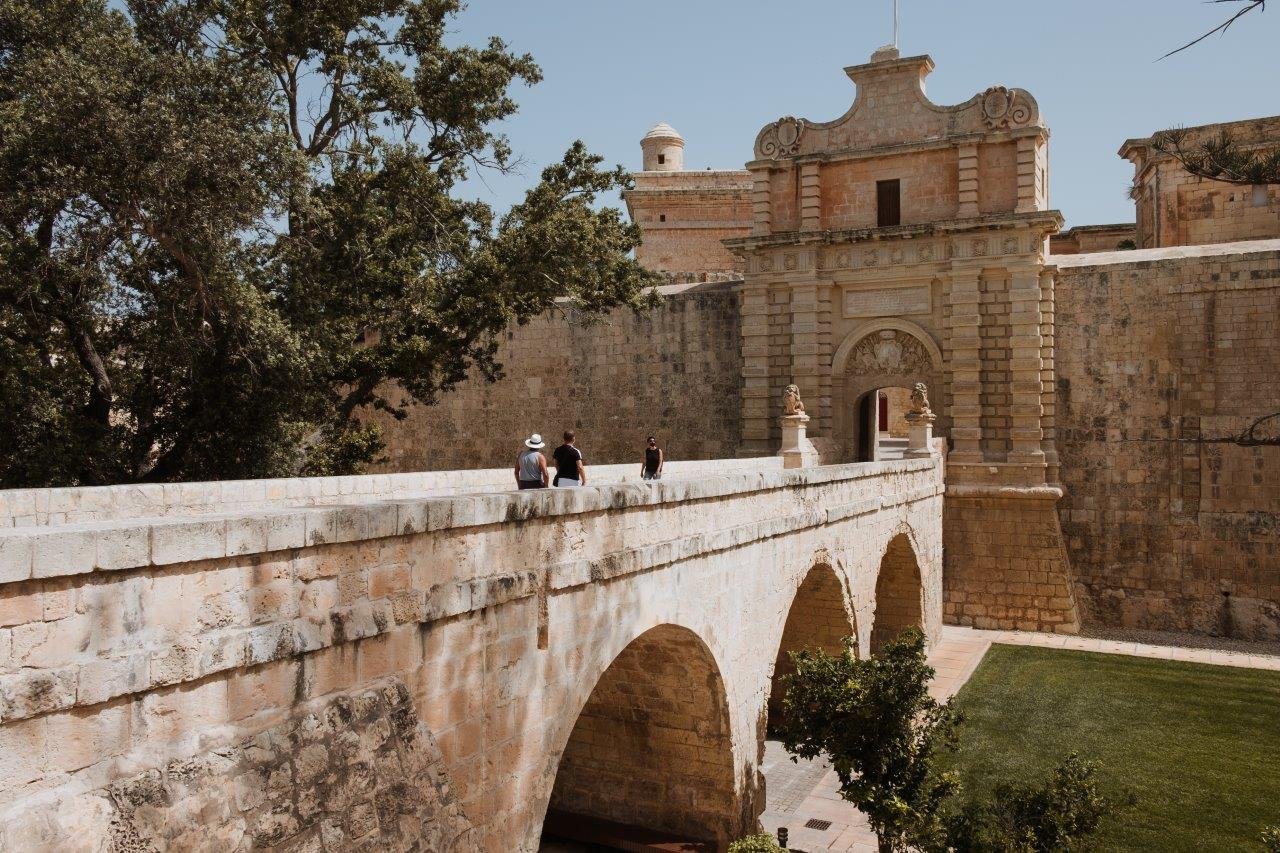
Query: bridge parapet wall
{"type": "Point", "coordinates": [475, 624]}
{"type": "Point", "coordinates": [57, 506]}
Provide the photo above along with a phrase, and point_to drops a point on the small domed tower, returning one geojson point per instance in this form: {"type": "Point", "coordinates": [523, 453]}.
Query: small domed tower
{"type": "Point", "coordinates": [663, 149]}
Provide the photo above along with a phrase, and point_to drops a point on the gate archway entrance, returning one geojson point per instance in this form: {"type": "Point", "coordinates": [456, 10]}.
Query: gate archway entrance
{"type": "Point", "coordinates": [874, 370]}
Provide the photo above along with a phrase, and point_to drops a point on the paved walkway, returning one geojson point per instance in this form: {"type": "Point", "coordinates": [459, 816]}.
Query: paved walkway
{"type": "Point", "coordinates": [955, 657]}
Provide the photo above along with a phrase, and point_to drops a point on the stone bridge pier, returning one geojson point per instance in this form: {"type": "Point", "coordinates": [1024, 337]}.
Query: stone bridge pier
{"type": "Point", "coordinates": [395, 671]}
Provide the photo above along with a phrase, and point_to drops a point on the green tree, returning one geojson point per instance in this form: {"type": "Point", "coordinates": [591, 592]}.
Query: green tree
{"type": "Point", "coordinates": [760, 843]}
{"type": "Point", "coordinates": [1220, 157]}
{"type": "Point", "coordinates": [875, 721]}
{"type": "Point", "coordinates": [229, 229]}
{"type": "Point", "coordinates": [1056, 815]}
{"type": "Point", "coordinates": [1271, 839]}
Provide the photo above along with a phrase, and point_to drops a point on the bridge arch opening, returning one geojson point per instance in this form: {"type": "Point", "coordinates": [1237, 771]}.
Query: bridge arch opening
{"type": "Point", "coordinates": [817, 619]}
{"type": "Point", "coordinates": [899, 593]}
{"type": "Point", "coordinates": [650, 758]}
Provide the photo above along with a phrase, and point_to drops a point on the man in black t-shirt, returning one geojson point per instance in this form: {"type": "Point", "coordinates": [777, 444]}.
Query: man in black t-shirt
{"type": "Point", "coordinates": [569, 469]}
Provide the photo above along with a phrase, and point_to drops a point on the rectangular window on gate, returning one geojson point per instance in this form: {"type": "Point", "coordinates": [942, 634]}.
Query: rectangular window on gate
{"type": "Point", "coordinates": [888, 203]}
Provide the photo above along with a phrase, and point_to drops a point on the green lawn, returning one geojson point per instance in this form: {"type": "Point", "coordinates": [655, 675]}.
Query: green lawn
{"type": "Point", "coordinates": [1199, 745]}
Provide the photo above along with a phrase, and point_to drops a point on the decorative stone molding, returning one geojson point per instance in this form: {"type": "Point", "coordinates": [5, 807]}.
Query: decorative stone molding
{"type": "Point", "coordinates": [844, 361]}
{"type": "Point", "coordinates": [892, 352]}
{"type": "Point", "coordinates": [782, 138]}
{"type": "Point", "coordinates": [1003, 108]}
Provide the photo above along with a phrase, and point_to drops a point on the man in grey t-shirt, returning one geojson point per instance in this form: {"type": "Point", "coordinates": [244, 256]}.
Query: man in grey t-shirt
{"type": "Point", "coordinates": [531, 465]}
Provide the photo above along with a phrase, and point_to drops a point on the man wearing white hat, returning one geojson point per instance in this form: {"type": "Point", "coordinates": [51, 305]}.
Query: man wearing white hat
{"type": "Point", "coordinates": [531, 466]}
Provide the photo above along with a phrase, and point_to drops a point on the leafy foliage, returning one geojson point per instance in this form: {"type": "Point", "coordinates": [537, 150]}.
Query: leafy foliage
{"type": "Point", "coordinates": [230, 227]}
{"type": "Point", "coordinates": [876, 723]}
{"type": "Point", "coordinates": [1056, 815]}
{"type": "Point", "coordinates": [1219, 157]}
{"type": "Point", "coordinates": [761, 843]}
{"type": "Point", "coordinates": [1271, 839]}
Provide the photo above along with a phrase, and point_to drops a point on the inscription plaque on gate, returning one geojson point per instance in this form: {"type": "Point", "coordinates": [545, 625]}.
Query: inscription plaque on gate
{"type": "Point", "coordinates": [887, 302]}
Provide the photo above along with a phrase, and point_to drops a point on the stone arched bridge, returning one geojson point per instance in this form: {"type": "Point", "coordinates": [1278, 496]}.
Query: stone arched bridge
{"type": "Point", "coordinates": [424, 662]}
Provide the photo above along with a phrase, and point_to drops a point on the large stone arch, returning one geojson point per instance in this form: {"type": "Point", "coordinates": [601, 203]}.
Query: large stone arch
{"type": "Point", "coordinates": [900, 591]}
{"type": "Point", "coordinates": [881, 353]}
{"type": "Point", "coordinates": [820, 616]}
{"type": "Point", "coordinates": [652, 748]}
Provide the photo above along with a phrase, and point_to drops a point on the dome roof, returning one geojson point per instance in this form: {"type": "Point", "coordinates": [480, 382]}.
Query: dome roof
{"type": "Point", "coordinates": [662, 130]}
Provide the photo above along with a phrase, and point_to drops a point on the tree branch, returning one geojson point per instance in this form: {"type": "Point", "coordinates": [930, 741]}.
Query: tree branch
{"type": "Point", "coordinates": [1224, 26]}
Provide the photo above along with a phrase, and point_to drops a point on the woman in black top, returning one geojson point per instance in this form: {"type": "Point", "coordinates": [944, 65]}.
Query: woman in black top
{"type": "Point", "coordinates": [651, 469]}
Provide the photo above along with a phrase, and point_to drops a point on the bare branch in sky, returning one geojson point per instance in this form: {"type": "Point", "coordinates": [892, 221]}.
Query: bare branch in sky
{"type": "Point", "coordinates": [1249, 6]}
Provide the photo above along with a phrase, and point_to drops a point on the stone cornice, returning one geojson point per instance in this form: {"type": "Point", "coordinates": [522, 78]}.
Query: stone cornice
{"type": "Point", "coordinates": [1047, 221]}
{"type": "Point", "coordinates": [842, 155]}
{"type": "Point", "coordinates": [76, 549]}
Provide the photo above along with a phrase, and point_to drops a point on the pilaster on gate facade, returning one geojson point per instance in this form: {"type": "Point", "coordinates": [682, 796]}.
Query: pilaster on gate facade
{"type": "Point", "coordinates": [907, 242]}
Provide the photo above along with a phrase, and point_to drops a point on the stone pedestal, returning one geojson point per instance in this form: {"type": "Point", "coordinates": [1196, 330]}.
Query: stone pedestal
{"type": "Point", "coordinates": [919, 434]}
{"type": "Point", "coordinates": [797, 450]}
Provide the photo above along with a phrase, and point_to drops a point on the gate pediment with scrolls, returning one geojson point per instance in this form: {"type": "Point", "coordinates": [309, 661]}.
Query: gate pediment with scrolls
{"type": "Point", "coordinates": [957, 254]}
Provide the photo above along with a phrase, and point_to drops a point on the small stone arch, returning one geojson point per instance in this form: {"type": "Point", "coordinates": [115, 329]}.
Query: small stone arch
{"type": "Point", "coordinates": [651, 750]}
{"type": "Point", "coordinates": [818, 617]}
{"type": "Point", "coordinates": [899, 601]}
{"type": "Point", "coordinates": [882, 353]}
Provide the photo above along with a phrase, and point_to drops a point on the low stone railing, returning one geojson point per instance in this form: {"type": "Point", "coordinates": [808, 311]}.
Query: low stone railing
{"type": "Point", "coordinates": [26, 507]}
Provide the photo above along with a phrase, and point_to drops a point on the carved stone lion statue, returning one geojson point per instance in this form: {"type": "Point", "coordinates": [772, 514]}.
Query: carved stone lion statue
{"type": "Point", "coordinates": [791, 403]}
{"type": "Point", "coordinates": [920, 399]}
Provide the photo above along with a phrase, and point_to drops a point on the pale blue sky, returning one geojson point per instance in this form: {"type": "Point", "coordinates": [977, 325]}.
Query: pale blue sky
{"type": "Point", "coordinates": [718, 70]}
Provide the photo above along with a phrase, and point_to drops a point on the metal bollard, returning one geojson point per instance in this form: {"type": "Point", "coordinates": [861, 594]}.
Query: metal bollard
{"type": "Point", "coordinates": [782, 837]}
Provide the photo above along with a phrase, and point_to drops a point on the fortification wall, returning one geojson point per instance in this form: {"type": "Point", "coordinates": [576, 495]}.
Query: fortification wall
{"type": "Point", "coordinates": [1164, 357]}
{"type": "Point", "coordinates": [1177, 208]}
{"type": "Point", "coordinates": [675, 371]}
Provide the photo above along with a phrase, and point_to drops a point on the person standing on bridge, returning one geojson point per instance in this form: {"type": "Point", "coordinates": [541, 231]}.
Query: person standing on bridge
{"type": "Point", "coordinates": [651, 468]}
{"type": "Point", "coordinates": [570, 472]}
{"type": "Point", "coordinates": [531, 465]}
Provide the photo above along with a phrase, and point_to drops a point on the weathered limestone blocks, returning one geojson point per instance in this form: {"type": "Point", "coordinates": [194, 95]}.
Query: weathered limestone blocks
{"type": "Point", "coordinates": [1006, 564]}
{"type": "Point", "coordinates": [145, 666]}
{"type": "Point", "coordinates": [78, 505]}
{"type": "Point", "coordinates": [1172, 522]}
{"type": "Point", "coordinates": [357, 771]}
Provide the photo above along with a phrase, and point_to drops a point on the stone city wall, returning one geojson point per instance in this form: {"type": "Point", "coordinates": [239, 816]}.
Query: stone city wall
{"type": "Point", "coordinates": [1164, 357]}
{"type": "Point", "coordinates": [1083, 239]}
{"type": "Point", "coordinates": [675, 371]}
{"type": "Point", "coordinates": [406, 672]}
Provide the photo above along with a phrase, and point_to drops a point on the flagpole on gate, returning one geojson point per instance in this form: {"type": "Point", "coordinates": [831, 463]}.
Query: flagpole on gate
{"type": "Point", "coordinates": [895, 23]}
